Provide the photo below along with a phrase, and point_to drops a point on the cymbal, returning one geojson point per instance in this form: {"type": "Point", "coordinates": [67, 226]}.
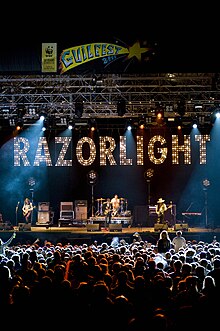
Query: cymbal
{"type": "Point", "coordinates": [101, 199]}
{"type": "Point", "coordinates": [122, 199]}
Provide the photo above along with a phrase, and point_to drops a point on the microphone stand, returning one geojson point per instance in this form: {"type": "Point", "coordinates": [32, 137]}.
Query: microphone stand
{"type": "Point", "coordinates": [16, 213]}
{"type": "Point", "coordinates": [32, 200]}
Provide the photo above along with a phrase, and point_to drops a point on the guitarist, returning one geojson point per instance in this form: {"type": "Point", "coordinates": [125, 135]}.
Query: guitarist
{"type": "Point", "coordinates": [115, 201]}
{"type": "Point", "coordinates": [27, 210]}
{"type": "Point", "coordinates": [161, 208]}
{"type": "Point", "coordinates": [107, 211]}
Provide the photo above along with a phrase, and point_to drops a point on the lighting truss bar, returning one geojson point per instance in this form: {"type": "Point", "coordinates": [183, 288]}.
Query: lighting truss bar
{"type": "Point", "coordinates": [57, 94]}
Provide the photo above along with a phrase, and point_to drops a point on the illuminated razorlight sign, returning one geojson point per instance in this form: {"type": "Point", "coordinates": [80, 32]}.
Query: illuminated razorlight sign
{"type": "Point", "coordinates": [76, 56]}
{"type": "Point", "coordinates": [156, 150]}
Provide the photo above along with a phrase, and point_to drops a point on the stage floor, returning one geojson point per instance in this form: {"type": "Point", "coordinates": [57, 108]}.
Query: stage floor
{"type": "Point", "coordinates": [80, 234]}
{"type": "Point", "coordinates": [129, 229]}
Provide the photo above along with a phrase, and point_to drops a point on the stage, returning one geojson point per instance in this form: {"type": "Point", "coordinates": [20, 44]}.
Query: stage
{"type": "Point", "coordinates": [89, 233]}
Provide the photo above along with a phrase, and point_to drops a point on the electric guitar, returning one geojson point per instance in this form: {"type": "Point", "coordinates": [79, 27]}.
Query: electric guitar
{"type": "Point", "coordinates": [108, 211]}
{"type": "Point", "coordinates": [27, 209]}
{"type": "Point", "coordinates": [161, 211]}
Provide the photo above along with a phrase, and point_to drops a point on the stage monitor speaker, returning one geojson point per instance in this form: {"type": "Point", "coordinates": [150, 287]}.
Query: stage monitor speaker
{"type": "Point", "coordinates": [115, 227]}
{"type": "Point", "coordinates": [182, 227]}
{"type": "Point", "coordinates": [66, 206]}
{"type": "Point", "coordinates": [160, 227]}
{"type": "Point", "coordinates": [92, 227]}
{"type": "Point", "coordinates": [6, 226]}
{"type": "Point", "coordinates": [43, 217]}
{"type": "Point", "coordinates": [43, 206]}
{"type": "Point", "coordinates": [24, 226]}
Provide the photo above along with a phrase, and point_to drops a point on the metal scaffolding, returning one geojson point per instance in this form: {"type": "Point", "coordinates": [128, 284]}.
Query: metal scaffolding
{"type": "Point", "coordinates": [27, 96]}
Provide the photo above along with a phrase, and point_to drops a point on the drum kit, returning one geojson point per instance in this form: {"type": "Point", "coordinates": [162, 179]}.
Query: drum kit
{"type": "Point", "coordinates": [103, 205]}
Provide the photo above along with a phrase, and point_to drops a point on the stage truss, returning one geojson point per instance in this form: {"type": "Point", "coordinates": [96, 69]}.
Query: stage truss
{"type": "Point", "coordinates": [27, 96]}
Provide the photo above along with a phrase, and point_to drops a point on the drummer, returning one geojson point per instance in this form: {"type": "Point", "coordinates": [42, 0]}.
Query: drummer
{"type": "Point", "coordinates": [115, 201]}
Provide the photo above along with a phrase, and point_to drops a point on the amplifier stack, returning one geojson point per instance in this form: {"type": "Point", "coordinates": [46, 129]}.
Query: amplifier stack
{"type": "Point", "coordinates": [43, 215]}
{"type": "Point", "coordinates": [81, 210]}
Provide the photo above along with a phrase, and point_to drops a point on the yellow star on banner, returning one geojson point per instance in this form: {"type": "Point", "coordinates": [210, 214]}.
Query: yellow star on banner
{"type": "Point", "coordinates": [136, 50]}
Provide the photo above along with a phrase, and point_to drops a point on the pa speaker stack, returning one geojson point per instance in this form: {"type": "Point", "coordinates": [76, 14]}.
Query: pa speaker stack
{"type": "Point", "coordinates": [115, 227]}
{"type": "Point", "coordinates": [92, 227]}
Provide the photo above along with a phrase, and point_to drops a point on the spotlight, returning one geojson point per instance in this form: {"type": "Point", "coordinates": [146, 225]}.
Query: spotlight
{"type": "Point", "coordinates": [42, 115]}
{"type": "Point", "coordinates": [129, 125]}
{"type": "Point", "coordinates": [159, 115]}
{"type": "Point", "coordinates": [92, 177]}
{"type": "Point", "coordinates": [93, 124]}
{"type": "Point", "coordinates": [194, 123]}
{"type": "Point", "coordinates": [215, 115]}
{"type": "Point", "coordinates": [141, 122]}
{"type": "Point", "coordinates": [71, 125]}
{"type": "Point", "coordinates": [19, 125]}
{"type": "Point", "coordinates": [45, 125]}
{"type": "Point", "coordinates": [206, 182]}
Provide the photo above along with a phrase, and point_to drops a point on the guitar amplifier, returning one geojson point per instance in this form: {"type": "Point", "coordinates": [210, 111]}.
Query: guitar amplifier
{"type": "Point", "coordinates": [43, 206]}
{"type": "Point", "coordinates": [81, 209]}
{"type": "Point", "coordinates": [43, 218]}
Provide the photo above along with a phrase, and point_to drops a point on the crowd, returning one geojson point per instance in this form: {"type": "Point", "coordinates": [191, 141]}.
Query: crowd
{"type": "Point", "coordinates": [119, 285]}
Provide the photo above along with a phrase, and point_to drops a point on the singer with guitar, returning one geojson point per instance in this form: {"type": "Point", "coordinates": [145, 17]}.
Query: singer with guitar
{"type": "Point", "coordinates": [161, 208]}
{"type": "Point", "coordinates": [27, 210]}
{"type": "Point", "coordinates": [107, 211]}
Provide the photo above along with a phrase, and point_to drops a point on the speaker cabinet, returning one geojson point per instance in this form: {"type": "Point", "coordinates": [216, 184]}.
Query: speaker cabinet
{"type": "Point", "coordinates": [43, 206]}
{"type": "Point", "coordinates": [6, 226]}
{"type": "Point", "coordinates": [160, 227]}
{"type": "Point", "coordinates": [92, 227]}
{"type": "Point", "coordinates": [115, 227]}
{"type": "Point", "coordinates": [81, 213]}
{"type": "Point", "coordinates": [43, 217]}
{"type": "Point", "coordinates": [80, 203]}
{"type": "Point", "coordinates": [81, 209]}
{"type": "Point", "coordinates": [182, 227]}
{"type": "Point", "coordinates": [24, 227]}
